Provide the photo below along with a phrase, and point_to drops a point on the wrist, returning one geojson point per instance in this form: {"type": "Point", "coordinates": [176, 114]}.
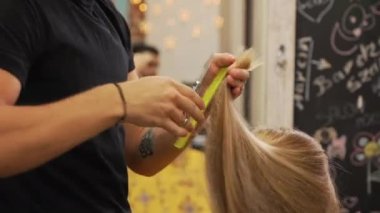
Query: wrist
{"type": "Point", "coordinates": [113, 104]}
{"type": "Point", "coordinates": [123, 101]}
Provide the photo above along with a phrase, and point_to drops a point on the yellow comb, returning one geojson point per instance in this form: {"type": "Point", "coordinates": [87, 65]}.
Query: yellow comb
{"type": "Point", "coordinates": [243, 62]}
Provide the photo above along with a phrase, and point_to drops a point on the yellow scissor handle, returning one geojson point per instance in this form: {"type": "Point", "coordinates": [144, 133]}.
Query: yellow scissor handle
{"type": "Point", "coordinates": [207, 97]}
{"type": "Point", "coordinates": [243, 62]}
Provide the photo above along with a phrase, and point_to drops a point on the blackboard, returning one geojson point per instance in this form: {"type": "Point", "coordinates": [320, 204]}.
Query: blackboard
{"type": "Point", "coordinates": [337, 92]}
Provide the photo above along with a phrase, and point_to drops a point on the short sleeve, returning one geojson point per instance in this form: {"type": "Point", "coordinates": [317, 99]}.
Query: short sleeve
{"type": "Point", "coordinates": [129, 48]}
{"type": "Point", "coordinates": [21, 36]}
{"type": "Point", "coordinates": [130, 52]}
{"type": "Point", "coordinates": [126, 37]}
{"type": "Point", "coordinates": [125, 34]}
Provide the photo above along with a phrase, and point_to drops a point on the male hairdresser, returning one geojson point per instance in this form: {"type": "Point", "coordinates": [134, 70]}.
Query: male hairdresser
{"type": "Point", "coordinates": [72, 119]}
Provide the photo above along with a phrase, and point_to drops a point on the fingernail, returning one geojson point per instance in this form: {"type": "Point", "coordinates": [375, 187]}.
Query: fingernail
{"type": "Point", "coordinates": [184, 134]}
{"type": "Point", "coordinates": [201, 107]}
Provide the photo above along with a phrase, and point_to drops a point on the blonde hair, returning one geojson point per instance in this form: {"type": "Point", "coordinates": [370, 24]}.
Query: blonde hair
{"type": "Point", "coordinates": [266, 170]}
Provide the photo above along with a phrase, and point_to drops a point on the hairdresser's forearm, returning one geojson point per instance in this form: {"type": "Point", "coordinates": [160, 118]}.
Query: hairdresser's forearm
{"type": "Point", "coordinates": [31, 136]}
{"type": "Point", "coordinates": [163, 150]}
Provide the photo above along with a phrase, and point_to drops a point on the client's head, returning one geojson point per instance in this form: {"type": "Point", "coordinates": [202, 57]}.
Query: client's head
{"type": "Point", "coordinates": [296, 172]}
{"type": "Point", "coordinates": [268, 170]}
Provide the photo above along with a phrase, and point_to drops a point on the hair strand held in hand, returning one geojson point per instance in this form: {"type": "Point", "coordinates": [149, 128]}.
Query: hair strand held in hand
{"type": "Point", "coordinates": [266, 170]}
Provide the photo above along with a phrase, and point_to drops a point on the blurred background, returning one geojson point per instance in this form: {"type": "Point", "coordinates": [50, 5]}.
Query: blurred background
{"type": "Point", "coordinates": [320, 75]}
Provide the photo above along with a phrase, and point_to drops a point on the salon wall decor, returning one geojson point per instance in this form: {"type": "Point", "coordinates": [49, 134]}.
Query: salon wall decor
{"type": "Point", "coordinates": [337, 92]}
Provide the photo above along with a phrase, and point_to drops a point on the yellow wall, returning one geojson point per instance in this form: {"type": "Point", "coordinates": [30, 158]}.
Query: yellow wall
{"type": "Point", "coordinates": [181, 187]}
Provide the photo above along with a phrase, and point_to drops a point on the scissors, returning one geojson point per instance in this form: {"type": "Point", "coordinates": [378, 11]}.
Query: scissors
{"type": "Point", "coordinates": [208, 92]}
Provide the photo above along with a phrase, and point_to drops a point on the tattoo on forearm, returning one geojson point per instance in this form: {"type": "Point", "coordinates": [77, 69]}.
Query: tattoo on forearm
{"type": "Point", "coordinates": [146, 146]}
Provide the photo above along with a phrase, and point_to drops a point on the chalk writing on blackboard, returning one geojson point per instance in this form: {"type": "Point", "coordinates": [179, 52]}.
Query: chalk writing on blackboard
{"type": "Point", "coordinates": [366, 153]}
{"type": "Point", "coordinates": [336, 113]}
{"type": "Point", "coordinates": [314, 10]}
{"type": "Point", "coordinates": [367, 120]}
{"type": "Point", "coordinates": [337, 92]}
{"type": "Point", "coordinates": [321, 64]}
{"type": "Point", "coordinates": [376, 87]}
{"type": "Point", "coordinates": [360, 104]}
{"type": "Point", "coordinates": [305, 63]}
{"type": "Point", "coordinates": [346, 33]}
{"type": "Point", "coordinates": [303, 72]}
{"type": "Point", "coordinates": [367, 64]}
{"type": "Point", "coordinates": [364, 76]}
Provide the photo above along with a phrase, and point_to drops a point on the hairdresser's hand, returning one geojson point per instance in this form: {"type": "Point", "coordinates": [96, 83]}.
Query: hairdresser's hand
{"type": "Point", "coordinates": [236, 78]}
{"type": "Point", "coordinates": [162, 102]}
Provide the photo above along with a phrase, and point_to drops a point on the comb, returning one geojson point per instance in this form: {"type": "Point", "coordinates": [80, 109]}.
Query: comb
{"type": "Point", "coordinates": [244, 61]}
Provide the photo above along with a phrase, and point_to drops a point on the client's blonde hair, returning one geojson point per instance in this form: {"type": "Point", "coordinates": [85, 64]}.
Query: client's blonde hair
{"type": "Point", "coordinates": [266, 170]}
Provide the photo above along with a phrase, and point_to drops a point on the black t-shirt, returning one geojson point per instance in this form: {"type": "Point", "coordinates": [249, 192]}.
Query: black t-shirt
{"type": "Point", "coordinates": [58, 48]}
